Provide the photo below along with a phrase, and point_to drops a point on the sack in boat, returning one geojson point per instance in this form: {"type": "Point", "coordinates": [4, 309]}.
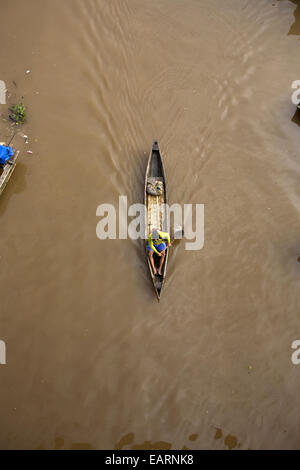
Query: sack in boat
{"type": "Point", "coordinates": [5, 154]}
{"type": "Point", "coordinates": [155, 187]}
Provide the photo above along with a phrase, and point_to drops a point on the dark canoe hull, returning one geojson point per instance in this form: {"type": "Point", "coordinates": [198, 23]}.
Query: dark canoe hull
{"type": "Point", "coordinates": [156, 214]}
{"type": "Point", "coordinates": [7, 171]}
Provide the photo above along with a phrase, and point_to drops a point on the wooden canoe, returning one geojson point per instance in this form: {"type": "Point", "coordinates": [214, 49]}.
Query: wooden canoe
{"type": "Point", "coordinates": [7, 171]}
{"type": "Point", "coordinates": [156, 213]}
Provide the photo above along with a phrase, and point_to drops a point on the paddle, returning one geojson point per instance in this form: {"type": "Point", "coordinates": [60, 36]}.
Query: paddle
{"type": "Point", "coordinates": [178, 236]}
{"type": "Point", "coordinates": [13, 136]}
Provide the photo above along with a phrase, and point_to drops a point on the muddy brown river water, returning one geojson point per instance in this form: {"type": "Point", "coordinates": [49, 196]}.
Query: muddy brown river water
{"type": "Point", "coordinates": [93, 361]}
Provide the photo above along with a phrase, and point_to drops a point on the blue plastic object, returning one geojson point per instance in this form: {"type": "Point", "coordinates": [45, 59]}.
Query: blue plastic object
{"type": "Point", "coordinates": [5, 154]}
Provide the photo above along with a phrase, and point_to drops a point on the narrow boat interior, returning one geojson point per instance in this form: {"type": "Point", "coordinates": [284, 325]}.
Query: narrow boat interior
{"type": "Point", "coordinates": [156, 213]}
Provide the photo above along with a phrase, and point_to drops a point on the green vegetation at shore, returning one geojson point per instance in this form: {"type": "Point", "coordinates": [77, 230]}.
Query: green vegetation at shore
{"type": "Point", "coordinates": [18, 113]}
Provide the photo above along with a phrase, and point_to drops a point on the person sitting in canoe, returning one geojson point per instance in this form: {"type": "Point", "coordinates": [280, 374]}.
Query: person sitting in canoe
{"type": "Point", "coordinates": [156, 244]}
